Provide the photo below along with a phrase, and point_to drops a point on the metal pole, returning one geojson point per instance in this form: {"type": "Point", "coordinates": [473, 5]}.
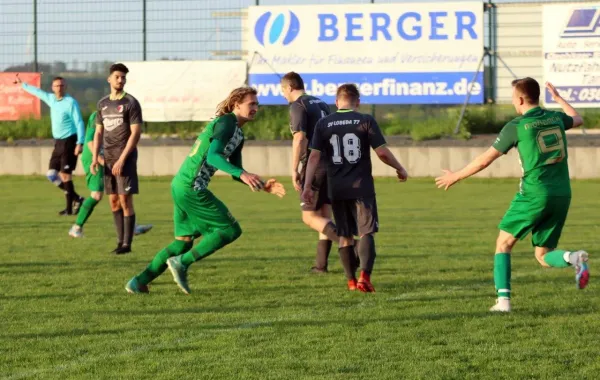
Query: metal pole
{"type": "Point", "coordinates": [469, 88]}
{"type": "Point", "coordinates": [35, 41]}
{"type": "Point", "coordinates": [144, 29]}
{"type": "Point", "coordinates": [373, 105]}
{"type": "Point", "coordinates": [493, 59]}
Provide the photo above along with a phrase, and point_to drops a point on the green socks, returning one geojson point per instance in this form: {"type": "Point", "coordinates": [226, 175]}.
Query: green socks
{"type": "Point", "coordinates": [556, 259]}
{"type": "Point", "coordinates": [210, 243]}
{"type": "Point", "coordinates": [85, 211]}
{"type": "Point", "coordinates": [159, 262]}
{"type": "Point", "coordinates": [502, 274]}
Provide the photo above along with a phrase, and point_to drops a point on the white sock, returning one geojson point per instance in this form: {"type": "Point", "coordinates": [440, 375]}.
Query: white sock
{"type": "Point", "coordinates": [567, 257]}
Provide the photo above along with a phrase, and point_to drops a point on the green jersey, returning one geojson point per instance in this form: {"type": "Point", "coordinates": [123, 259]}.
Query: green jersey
{"type": "Point", "coordinates": [539, 136]}
{"type": "Point", "coordinates": [222, 139]}
{"type": "Point", "coordinates": [86, 155]}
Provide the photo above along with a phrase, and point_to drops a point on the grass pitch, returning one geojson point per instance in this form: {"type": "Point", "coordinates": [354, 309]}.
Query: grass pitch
{"type": "Point", "coordinates": [257, 313]}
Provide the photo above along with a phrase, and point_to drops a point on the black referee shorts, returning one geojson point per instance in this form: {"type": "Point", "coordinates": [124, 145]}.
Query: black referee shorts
{"type": "Point", "coordinates": [63, 157]}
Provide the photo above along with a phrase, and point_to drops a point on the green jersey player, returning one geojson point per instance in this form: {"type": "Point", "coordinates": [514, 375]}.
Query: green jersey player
{"type": "Point", "coordinates": [544, 196]}
{"type": "Point", "coordinates": [94, 182]}
{"type": "Point", "coordinates": [197, 212]}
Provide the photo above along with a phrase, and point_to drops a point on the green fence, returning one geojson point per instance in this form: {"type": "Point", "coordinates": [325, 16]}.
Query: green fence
{"type": "Point", "coordinates": [80, 39]}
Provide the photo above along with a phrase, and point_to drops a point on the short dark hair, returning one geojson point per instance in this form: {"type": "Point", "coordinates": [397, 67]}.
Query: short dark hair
{"type": "Point", "coordinates": [118, 67]}
{"type": "Point", "coordinates": [294, 80]}
{"type": "Point", "coordinates": [57, 78]}
{"type": "Point", "coordinates": [348, 91]}
{"type": "Point", "coordinates": [530, 89]}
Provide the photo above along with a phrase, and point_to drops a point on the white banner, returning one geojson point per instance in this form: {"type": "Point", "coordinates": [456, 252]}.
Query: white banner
{"type": "Point", "coordinates": [572, 53]}
{"type": "Point", "coordinates": [404, 53]}
{"type": "Point", "coordinates": [182, 90]}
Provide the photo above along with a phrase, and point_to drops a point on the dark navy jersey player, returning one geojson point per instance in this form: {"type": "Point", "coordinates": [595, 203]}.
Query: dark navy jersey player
{"type": "Point", "coordinates": [305, 112]}
{"type": "Point", "coordinates": [344, 140]}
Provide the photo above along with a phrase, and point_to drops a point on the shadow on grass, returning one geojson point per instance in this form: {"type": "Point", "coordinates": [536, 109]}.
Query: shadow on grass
{"type": "Point", "coordinates": [37, 264]}
{"type": "Point", "coordinates": [69, 333]}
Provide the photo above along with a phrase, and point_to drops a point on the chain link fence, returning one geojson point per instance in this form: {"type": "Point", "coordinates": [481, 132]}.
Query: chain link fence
{"type": "Point", "coordinates": [81, 38]}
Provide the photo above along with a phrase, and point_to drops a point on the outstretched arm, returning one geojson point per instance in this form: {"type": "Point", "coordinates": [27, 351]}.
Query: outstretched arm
{"type": "Point", "coordinates": [483, 161]}
{"type": "Point", "coordinates": [37, 92]}
{"type": "Point", "coordinates": [566, 107]}
{"type": "Point", "coordinates": [271, 186]}
{"type": "Point", "coordinates": [216, 158]}
{"type": "Point", "coordinates": [236, 160]}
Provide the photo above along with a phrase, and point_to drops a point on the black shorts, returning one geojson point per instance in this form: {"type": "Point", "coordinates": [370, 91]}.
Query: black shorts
{"type": "Point", "coordinates": [63, 157]}
{"type": "Point", "coordinates": [127, 182]}
{"type": "Point", "coordinates": [320, 188]}
{"type": "Point", "coordinates": [355, 217]}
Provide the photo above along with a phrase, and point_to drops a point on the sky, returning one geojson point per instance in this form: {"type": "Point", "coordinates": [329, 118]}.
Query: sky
{"type": "Point", "coordinates": [86, 31]}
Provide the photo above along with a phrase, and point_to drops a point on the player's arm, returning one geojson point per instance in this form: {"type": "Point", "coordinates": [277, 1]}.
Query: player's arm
{"type": "Point", "coordinates": [478, 164]}
{"type": "Point", "coordinates": [387, 157]}
{"type": "Point", "coordinates": [311, 168]}
{"type": "Point", "coordinates": [78, 120]}
{"type": "Point", "coordinates": [270, 186]}
{"type": "Point", "coordinates": [37, 92]}
{"type": "Point", "coordinates": [299, 148]}
{"type": "Point", "coordinates": [132, 141]}
{"type": "Point", "coordinates": [98, 137]}
{"type": "Point", "coordinates": [298, 126]}
{"type": "Point", "coordinates": [505, 142]}
{"type": "Point", "coordinates": [135, 126]}
{"type": "Point", "coordinates": [378, 144]}
{"type": "Point", "coordinates": [576, 119]}
{"type": "Point", "coordinates": [223, 131]}
{"type": "Point", "coordinates": [90, 132]}
{"type": "Point", "coordinates": [316, 146]}
{"type": "Point", "coordinates": [236, 160]}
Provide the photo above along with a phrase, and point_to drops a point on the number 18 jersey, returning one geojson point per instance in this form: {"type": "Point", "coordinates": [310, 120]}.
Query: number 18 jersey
{"type": "Point", "coordinates": [539, 136]}
{"type": "Point", "coordinates": [345, 139]}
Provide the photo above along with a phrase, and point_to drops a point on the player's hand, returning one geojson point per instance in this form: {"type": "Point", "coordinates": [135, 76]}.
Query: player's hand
{"type": "Point", "coordinates": [553, 91]}
{"type": "Point", "coordinates": [296, 181]}
{"type": "Point", "coordinates": [275, 188]}
{"type": "Point", "coordinates": [117, 168]}
{"type": "Point", "coordinates": [94, 166]}
{"type": "Point", "coordinates": [18, 80]}
{"type": "Point", "coordinates": [78, 149]}
{"type": "Point", "coordinates": [101, 160]}
{"type": "Point", "coordinates": [252, 180]}
{"type": "Point", "coordinates": [308, 194]}
{"type": "Point", "coordinates": [447, 180]}
{"type": "Point", "coordinates": [402, 175]}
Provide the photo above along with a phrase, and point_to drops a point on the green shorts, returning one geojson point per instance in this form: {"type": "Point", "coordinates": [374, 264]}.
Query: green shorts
{"type": "Point", "coordinates": [94, 182]}
{"type": "Point", "coordinates": [544, 217]}
{"type": "Point", "coordinates": [198, 213]}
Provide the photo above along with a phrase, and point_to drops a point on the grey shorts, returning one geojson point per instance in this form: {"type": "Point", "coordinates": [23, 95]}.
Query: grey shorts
{"type": "Point", "coordinates": [127, 182]}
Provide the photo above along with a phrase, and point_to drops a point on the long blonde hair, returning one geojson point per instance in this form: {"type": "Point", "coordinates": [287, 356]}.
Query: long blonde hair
{"type": "Point", "coordinates": [235, 97]}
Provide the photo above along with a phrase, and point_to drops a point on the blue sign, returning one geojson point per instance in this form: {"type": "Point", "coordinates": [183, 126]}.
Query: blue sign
{"type": "Point", "coordinates": [409, 53]}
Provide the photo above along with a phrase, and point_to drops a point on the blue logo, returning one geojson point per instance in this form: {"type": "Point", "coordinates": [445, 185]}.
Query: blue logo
{"type": "Point", "coordinates": [271, 36]}
{"type": "Point", "coordinates": [584, 22]}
